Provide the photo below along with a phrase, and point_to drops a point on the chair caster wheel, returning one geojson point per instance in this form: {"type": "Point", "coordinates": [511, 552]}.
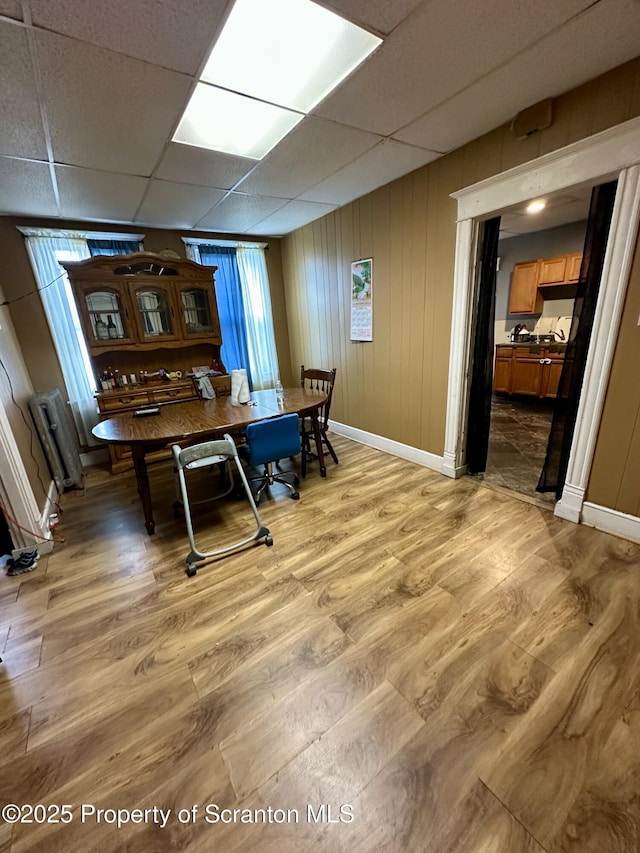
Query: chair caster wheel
{"type": "Point", "coordinates": [191, 570]}
{"type": "Point", "coordinates": [295, 496]}
{"type": "Point", "coordinates": [268, 540]}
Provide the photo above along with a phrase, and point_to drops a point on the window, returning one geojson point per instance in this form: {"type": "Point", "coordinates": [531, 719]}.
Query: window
{"type": "Point", "coordinates": [46, 247]}
{"type": "Point", "coordinates": [244, 307]}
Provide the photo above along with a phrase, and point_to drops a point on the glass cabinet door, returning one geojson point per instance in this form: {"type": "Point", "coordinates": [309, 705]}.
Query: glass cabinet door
{"type": "Point", "coordinates": [199, 319]}
{"type": "Point", "coordinates": [105, 316]}
{"type": "Point", "coordinates": [154, 310]}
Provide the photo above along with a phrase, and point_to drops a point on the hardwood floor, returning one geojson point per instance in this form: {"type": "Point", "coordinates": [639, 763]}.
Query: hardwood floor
{"type": "Point", "coordinates": [426, 664]}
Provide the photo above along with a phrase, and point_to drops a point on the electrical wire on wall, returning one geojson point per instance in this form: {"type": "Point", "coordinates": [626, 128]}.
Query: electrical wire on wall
{"type": "Point", "coordinates": [31, 292]}
{"type": "Point", "coordinates": [58, 539]}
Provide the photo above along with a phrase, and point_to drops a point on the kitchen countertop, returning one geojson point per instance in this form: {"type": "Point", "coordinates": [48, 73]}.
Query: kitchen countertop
{"type": "Point", "coordinates": [555, 347]}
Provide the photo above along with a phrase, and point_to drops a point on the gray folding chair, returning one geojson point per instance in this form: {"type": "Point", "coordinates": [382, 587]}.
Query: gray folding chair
{"type": "Point", "coordinates": [200, 456]}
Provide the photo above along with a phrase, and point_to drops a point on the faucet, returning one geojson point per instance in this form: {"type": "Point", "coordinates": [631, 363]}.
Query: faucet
{"type": "Point", "coordinates": [560, 334]}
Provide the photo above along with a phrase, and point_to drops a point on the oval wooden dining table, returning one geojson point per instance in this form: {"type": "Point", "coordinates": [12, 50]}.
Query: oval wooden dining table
{"type": "Point", "coordinates": [201, 420]}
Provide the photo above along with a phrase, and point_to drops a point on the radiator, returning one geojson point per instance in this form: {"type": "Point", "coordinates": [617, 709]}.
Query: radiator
{"type": "Point", "coordinates": [57, 436]}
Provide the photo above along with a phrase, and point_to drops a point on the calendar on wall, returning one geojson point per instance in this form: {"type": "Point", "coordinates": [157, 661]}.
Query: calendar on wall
{"type": "Point", "coordinates": [362, 300]}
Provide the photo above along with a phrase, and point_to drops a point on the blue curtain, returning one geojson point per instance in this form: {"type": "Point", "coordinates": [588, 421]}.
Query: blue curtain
{"type": "Point", "coordinates": [113, 247]}
{"type": "Point", "coordinates": [234, 351]}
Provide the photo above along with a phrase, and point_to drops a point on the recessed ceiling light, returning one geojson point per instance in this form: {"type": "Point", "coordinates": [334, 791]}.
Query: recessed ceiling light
{"type": "Point", "coordinates": [285, 53]}
{"type": "Point", "coordinates": [536, 206]}
{"type": "Point", "coordinates": [233, 124]}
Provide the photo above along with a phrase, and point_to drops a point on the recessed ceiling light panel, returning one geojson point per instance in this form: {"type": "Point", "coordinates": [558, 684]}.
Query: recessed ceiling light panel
{"type": "Point", "coordinates": [536, 206]}
{"type": "Point", "coordinates": [272, 63]}
{"type": "Point", "coordinates": [287, 52]}
{"type": "Point", "coordinates": [233, 124]}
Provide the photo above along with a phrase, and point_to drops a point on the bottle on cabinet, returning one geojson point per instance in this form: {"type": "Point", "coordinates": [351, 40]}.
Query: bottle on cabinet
{"type": "Point", "coordinates": [112, 331]}
{"type": "Point", "coordinates": [102, 332]}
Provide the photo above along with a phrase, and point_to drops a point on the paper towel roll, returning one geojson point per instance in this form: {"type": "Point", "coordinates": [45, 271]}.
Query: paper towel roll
{"type": "Point", "coordinates": [239, 387]}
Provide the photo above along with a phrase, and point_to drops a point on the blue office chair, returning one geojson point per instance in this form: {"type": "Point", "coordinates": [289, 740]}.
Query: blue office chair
{"type": "Point", "coordinates": [268, 442]}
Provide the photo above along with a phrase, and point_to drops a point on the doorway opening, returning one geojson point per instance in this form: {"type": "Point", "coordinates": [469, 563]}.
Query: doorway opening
{"type": "Point", "coordinates": [606, 155]}
{"type": "Point", "coordinates": [525, 446]}
{"type": "Point", "coordinates": [531, 334]}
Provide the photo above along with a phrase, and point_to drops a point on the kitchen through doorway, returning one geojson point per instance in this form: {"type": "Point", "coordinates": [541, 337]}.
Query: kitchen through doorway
{"type": "Point", "coordinates": [530, 332]}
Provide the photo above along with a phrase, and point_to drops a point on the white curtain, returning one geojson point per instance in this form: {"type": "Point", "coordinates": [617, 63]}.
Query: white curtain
{"type": "Point", "coordinates": [192, 251]}
{"type": "Point", "coordinates": [263, 359]}
{"type": "Point", "coordinates": [64, 322]}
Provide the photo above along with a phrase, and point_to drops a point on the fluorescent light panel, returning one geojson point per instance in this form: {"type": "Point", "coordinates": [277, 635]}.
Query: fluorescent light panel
{"type": "Point", "coordinates": [289, 53]}
{"type": "Point", "coordinates": [233, 123]}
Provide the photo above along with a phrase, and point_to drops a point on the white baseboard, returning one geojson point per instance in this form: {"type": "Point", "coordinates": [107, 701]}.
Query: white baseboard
{"type": "Point", "coordinates": [395, 448]}
{"type": "Point", "coordinates": [50, 506]}
{"type": "Point", "coordinates": [611, 521]}
{"type": "Point", "coordinates": [450, 469]}
{"type": "Point", "coordinates": [570, 504]}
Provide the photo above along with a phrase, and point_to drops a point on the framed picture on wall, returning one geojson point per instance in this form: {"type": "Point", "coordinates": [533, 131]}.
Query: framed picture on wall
{"type": "Point", "coordinates": [362, 300]}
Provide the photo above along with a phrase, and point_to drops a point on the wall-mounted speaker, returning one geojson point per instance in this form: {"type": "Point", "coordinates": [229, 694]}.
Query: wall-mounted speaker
{"type": "Point", "coordinates": [533, 119]}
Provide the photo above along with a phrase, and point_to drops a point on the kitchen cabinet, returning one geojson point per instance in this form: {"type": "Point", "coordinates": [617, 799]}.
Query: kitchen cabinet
{"type": "Point", "coordinates": [555, 272]}
{"type": "Point", "coordinates": [502, 370]}
{"type": "Point", "coordinates": [531, 371]}
{"type": "Point", "coordinates": [552, 270]}
{"type": "Point", "coordinates": [533, 281]}
{"type": "Point", "coordinates": [574, 262]}
{"type": "Point", "coordinates": [527, 374]}
{"type": "Point", "coordinates": [551, 372]}
{"type": "Point", "coordinates": [142, 314]}
{"type": "Point", "coordinates": [524, 297]}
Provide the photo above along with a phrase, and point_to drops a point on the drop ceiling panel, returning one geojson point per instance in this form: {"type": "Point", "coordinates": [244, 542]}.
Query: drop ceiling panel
{"type": "Point", "coordinates": [11, 8]}
{"type": "Point", "coordinates": [26, 186]}
{"type": "Point", "coordinates": [610, 28]}
{"type": "Point", "coordinates": [293, 215]}
{"type": "Point", "coordinates": [314, 150]}
{"type": "Point", "coordinates": [116, 74]}
{"type": "Point", "coordinates": [87, 194]}
{"type": "Point", "coordinates": [239, 213]}
{"type": "Point", "coordinates": [561, 215]}
{"type": "Point", "coordinates": [168, 204]}
{"type": "Point", "coordinates": [190, 165]}
{"type": "Point", "coordinates": [384, 163]}
{"type": "Point", "coordinates": [381, 16]}
{"type": "Point", "coordinates": [21, 132]}
{"type": "Point", "coordinates": [170, 34]}
{"type": "Point", "coordinates": [98, 119]}
{"type": "Point", "coordinates": [442, 48]}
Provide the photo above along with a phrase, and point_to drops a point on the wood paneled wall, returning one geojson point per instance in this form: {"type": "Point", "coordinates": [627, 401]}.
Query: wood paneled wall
{"type": "Point", "coordinates": [396, 385]}
{"type": "Point", "coordinates": [615, 475]}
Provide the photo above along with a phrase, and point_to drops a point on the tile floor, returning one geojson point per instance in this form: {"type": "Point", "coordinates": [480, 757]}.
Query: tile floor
{"type": "Point", "coordinates": [517, 445]}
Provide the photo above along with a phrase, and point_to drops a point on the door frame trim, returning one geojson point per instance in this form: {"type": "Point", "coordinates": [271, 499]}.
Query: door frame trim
{"type": "Point", "coordinates": [18, 495]}
{"type": "Point", "coordinates": [611, 154]}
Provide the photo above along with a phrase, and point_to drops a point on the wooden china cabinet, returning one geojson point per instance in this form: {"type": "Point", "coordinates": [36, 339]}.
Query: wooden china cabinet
{"type": "Point", "coordinates": [146, 317]}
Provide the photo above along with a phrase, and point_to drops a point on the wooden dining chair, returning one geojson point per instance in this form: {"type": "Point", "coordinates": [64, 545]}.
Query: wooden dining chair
{"type": "Point", "coordinates": [320, 380]}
